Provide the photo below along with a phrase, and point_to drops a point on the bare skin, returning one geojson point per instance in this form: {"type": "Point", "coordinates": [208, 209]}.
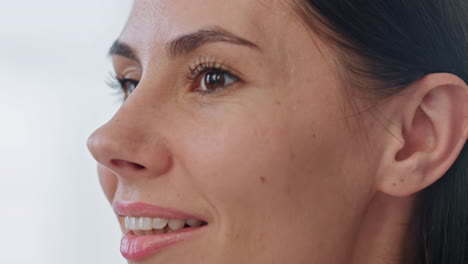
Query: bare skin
{"type": "Point", "coordinates": [275, 159]}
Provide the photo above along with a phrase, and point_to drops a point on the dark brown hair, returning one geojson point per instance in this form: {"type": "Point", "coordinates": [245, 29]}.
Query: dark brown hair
{"type": "Point", "coordinates": [389, 44]}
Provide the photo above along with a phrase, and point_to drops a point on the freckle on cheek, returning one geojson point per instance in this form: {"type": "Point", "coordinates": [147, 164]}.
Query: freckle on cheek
{"type": "Point", "coordinates": [263, 179]}
{"type": "Point", "coordinates": [261, 237]}
{"type": "Point", "coordinates": [292, 156]}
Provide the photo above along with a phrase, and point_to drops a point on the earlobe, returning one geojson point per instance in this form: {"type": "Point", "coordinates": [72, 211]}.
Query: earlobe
{"type": "Point", "coordinates": [432, 124]}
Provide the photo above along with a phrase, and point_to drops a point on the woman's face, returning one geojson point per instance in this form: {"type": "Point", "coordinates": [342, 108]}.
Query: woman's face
{"type": "Point", "coordinates": [239, 118]}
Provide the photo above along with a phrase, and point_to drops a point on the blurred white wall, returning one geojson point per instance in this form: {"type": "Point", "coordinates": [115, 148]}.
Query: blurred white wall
{"type": "Point", "coordinates": [53, 68]}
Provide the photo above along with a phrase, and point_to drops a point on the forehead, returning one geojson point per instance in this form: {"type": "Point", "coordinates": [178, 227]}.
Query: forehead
{"type": "Point", "coordinates": [153, 23]}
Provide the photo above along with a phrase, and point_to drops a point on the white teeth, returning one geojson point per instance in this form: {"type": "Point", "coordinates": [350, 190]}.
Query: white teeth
{"type": "Point", "coordinates": [159, 223]}
{"type": "Point", "coordinates": [193, 222]}
{"type": "Point", "coordinates": [132, 225]}
{"type": "Point", "coordinates": [145, 223]}
{"type": "Point", "coordinates": [150, 226]}
{"type": "Point", "coordinates": [176, 224]}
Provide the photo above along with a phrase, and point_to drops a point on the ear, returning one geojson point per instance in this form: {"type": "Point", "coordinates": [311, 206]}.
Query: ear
{"type": "Point", "coordinates": [429, 129]}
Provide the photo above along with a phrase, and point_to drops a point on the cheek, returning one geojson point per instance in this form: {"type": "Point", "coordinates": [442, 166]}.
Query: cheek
{"type": "Point", "coordinates": [108, 182]}
{"type": "Point", "coordinates": [259, 170]}
{"type": "Point", "coordinates": [262, 159]}
{"type": "Point", "coordinates": [259, 165]}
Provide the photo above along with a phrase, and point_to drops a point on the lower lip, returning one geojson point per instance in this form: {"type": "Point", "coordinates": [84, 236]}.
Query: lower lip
{"type": "Point", "coordinates": [138, 247]}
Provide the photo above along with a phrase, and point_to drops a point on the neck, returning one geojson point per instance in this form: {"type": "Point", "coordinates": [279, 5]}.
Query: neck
{"type": "Point", "coordinates": [386, 234]}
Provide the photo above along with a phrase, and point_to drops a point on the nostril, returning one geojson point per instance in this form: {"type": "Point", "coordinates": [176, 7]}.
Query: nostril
{"type": "Point", "coordinates": [123, 163]}
{"type": "Point", "coordinates": [137, 166]}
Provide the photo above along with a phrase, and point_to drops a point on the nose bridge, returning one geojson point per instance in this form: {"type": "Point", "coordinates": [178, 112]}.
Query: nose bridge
{"type": "Point", "coordinates": [131, 145]}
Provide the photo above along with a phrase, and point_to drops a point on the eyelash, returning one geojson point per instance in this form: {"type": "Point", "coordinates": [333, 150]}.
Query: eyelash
{"type": "Point", "coordinates": [119, 84]}
{"type": "Point", "coordinates": [202, 67]}
{"type": "Point", "coordinates": [196, 72]}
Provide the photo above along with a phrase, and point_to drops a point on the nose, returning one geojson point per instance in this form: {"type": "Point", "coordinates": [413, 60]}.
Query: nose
{"type": "Point", "coordinates": [130, 147]}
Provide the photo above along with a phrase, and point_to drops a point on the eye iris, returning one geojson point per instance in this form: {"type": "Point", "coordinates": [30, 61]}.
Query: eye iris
{"type": "Point", "coordinates": [129, 87]}
{"type": "Point", "coordinates": [214, 80]}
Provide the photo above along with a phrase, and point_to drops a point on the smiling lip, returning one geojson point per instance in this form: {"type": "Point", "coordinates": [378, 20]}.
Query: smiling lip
{"type": "Point", "coordinates": [138, 247]}
{"type": "Point", "coordinates": [138, 209]}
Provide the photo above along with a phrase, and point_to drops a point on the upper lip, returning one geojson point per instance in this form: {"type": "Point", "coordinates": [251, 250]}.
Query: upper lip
{"type": "Point", "coordinates": [139, 209]}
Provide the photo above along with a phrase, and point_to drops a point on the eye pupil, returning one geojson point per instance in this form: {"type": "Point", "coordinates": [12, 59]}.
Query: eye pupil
{"type": "Point", "coordinates": [214, 80]}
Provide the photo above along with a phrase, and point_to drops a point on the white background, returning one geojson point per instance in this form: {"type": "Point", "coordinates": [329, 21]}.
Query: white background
{"type": "Point", "coordinates": [53, 67]}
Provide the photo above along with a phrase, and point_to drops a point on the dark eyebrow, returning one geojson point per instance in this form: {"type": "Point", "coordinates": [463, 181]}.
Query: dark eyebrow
{"type": "Point", "coordinates": [188, 43]}
{"type": "Point", "coordinates": [121, 49]}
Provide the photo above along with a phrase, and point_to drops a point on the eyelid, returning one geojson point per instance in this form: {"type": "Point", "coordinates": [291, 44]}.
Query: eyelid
{"type": "Point", "coordinates": [127, 70]}
{"type": "Point", "coordinates": [205, 62]}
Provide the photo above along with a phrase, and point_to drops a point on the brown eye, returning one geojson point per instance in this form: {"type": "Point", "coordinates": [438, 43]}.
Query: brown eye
{"type": "Point", "coordinates": [215, 80]}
